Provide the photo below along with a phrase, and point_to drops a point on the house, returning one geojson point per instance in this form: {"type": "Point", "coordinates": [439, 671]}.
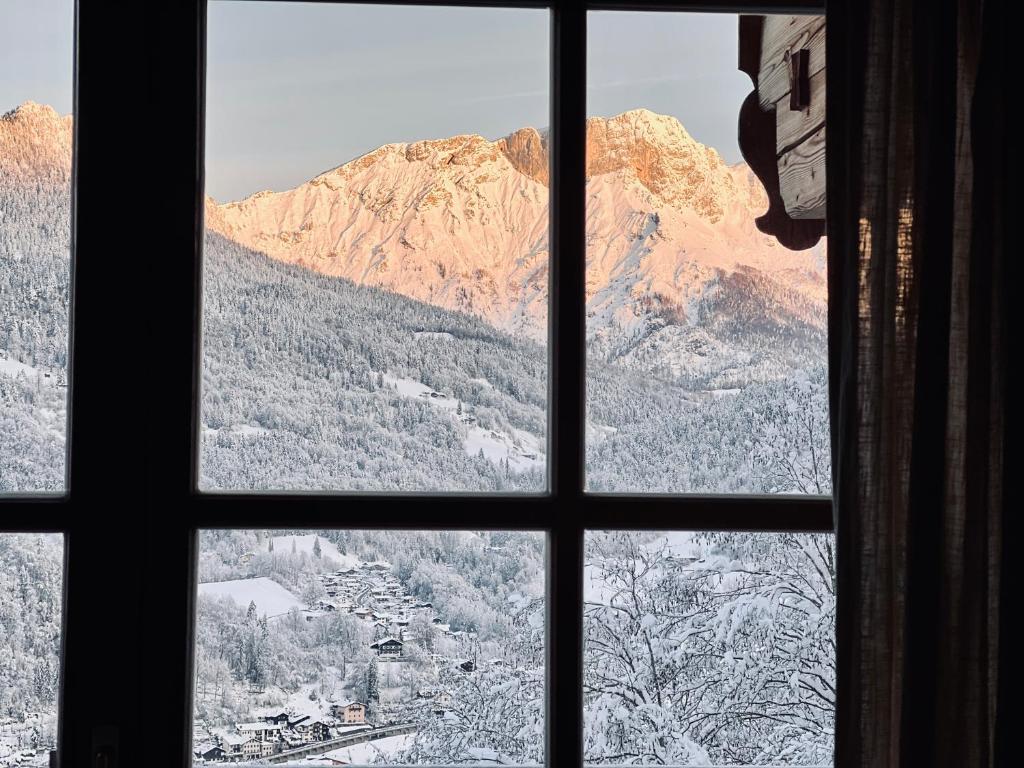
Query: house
{"type": "Point", "coordinates": [255, 748]}
{"type": "Point", "coordinates": [233, 745]}
{"type": "Point", "coordinates": [467, 665]}
{"type": "Point", "coordinates": [260, 730]}
{"type": "Point", "coordinates": [313, 730]}
{"type": "Point", "coordinates": [276, 718]}
{"type": "Point", "coordinates": [210, 752]}
{"type": "Point", "coordinates": [350, 713]}
{"type": "Point", "coordinates": [388, 647]}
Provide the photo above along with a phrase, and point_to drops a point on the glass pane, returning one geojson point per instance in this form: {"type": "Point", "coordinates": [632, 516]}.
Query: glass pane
{"type": "Point", "coordinates": [707, 359]}
{"type": "Point", "coordinates": [31, 589]}
{"type": "Point", "coordinates": [355, 647]}
{"type": "Point", "coordinates": [35, 241]}
{"type": "Point", "coordinates": [381, 325]}
{"type": "Point", "coordinates": [709, 649]}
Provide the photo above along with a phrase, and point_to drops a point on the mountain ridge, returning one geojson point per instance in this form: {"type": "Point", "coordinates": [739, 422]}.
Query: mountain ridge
{"type": "Point", "coordinates": [462, 223]}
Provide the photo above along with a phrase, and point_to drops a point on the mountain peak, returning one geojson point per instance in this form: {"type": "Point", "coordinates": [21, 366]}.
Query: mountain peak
{"type": "Point", "coordinates": [35, 144]}
{"type": "Point", "coordinates": [31, 110]}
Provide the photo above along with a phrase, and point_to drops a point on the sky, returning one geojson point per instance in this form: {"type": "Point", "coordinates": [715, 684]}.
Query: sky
{"type": "Point", "coordinates": [36, 53]}
{"type": "Point", "coordinates": [294, 89]}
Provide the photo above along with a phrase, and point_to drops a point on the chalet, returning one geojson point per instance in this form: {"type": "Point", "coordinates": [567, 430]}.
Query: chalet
{"type": "Point", "coordinates": [260, 730]}
{"type": "Point", "coordinates": [388, 646]}
{"type": "Point", "coordinates": [350, 713]}
{"type": "Point", "coordinates": [210, 752]}
{"type": "Point", "coordinates": [466, 666]}
{"type": "Point", "coordinates": [255, 748]}
{"type": "Point", "coordinates": [233, 746]}
{"type": "Point", "coordinates": [313, 730]}
{"type": "Point", "coordinates": [276, 718]}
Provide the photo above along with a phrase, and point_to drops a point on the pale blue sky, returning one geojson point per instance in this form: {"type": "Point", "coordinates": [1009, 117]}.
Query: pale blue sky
{"type": "Point", "coordinates": [296, 88]}
{"type": "Point", "coordinates": [36, 53]}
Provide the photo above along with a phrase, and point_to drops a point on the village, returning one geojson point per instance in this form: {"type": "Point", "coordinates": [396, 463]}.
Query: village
{"type": "Point", "coordinates": [396, 621]}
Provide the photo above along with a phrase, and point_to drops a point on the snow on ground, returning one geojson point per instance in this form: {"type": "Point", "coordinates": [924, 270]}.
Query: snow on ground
{"type": "Point", "coordinates": [270, 597]}
{"type": "Point", "coordinates": [364, 753]}
{"type": "Point", "coordinates": [432, 335]}
{"type": "Point", "coordinates": [305, 544]}
{"type": "Point", "coordinates": [249, 430]}
{"type": "Point", "coordinates": [522, 449]}
{"type": "Point", "coordinates": [11, 367]}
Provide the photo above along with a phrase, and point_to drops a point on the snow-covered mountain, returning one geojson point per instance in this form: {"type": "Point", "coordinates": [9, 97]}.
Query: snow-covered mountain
{"type": "Point", "coordinates": [377, 327]}
{"type": "Point", "coordinates": [462, 223]}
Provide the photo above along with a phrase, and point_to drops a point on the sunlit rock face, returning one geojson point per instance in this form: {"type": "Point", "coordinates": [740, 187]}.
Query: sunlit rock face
{"type": "Point", "coordinates": [462, 223]}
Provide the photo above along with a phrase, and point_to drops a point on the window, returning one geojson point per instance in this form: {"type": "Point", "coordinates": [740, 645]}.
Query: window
{"type": "Point", "coordinates": [381, 325]}
{"type": "Point", "coordinates": [35, 243]}
{"type": "Point", "coordinates": [215, 464]}
{"type": "Point", "coordinates": [402, 647]}
{"type": "Point", "coordinates": [36, 75]}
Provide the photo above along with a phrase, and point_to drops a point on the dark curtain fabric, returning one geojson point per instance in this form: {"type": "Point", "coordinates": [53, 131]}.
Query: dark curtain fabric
{"type": "Point", "coordinates": [917, 158]}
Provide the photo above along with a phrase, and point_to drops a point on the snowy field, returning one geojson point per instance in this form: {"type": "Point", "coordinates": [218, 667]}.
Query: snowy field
{"type": "Point", "coordinates": [271, 598]}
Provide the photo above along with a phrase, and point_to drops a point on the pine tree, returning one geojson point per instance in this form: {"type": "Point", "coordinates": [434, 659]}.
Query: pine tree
{"type": "Point", "coordinates": [316, 547]}
{"type": "Point", "coordinates": [372, 685]}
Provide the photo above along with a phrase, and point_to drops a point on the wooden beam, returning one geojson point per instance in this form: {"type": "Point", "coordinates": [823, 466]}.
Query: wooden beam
{"type": "Point", "coordinates": [802, 178]}
{"type": "Point", "coordinates": [781, 35]}
{"type": "Point", "coordinates": [794, 126]}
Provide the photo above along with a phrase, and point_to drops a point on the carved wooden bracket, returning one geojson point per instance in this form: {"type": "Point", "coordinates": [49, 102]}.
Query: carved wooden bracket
{"type": "Point", "coordinates": [785, 148]}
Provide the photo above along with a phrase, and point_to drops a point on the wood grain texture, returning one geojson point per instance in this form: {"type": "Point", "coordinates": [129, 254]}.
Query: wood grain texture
{"type": "Point", "coordinates": [794, 126]}
{"type": "Point", "coordinates": [782, 34]}
{"type": "Point", "coordinates": [802, 178]}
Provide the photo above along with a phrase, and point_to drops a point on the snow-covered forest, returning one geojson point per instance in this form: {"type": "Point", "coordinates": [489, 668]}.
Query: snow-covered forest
{"type": "Point", "coordinates": [31, 570]}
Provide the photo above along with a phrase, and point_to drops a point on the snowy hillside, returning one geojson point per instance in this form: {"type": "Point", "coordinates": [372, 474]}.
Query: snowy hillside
{"type": "Point", "coordinates": [707, 342]}
{"type": "Point", "coordinates": [35, 236]}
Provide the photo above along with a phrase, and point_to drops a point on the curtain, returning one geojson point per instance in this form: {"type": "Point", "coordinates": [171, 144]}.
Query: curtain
{"type": "Point", "coordinates": [917, 167]}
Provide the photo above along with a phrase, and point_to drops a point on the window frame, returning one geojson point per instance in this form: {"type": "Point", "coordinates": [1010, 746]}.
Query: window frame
{"type": "Point", "coordinates": [113, 655]}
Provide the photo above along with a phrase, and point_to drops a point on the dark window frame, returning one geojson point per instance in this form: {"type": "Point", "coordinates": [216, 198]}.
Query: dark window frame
{"type": "Point", "coordinates": [125, 667]}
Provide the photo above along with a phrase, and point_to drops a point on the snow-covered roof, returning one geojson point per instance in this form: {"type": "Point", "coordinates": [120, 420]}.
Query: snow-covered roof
{"type": "Point", "coordinates": [260, 726]}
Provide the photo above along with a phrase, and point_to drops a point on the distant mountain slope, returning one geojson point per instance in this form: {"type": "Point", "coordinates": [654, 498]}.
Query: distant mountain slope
{"type": "Point", "coordinates": [310, 381]}
{"type": "Point", "coordinates": [462, 223]}
{"type": "Point", "coordinates": [35, 236]}
{"type": "Point", "coordinates": [707, 341]}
